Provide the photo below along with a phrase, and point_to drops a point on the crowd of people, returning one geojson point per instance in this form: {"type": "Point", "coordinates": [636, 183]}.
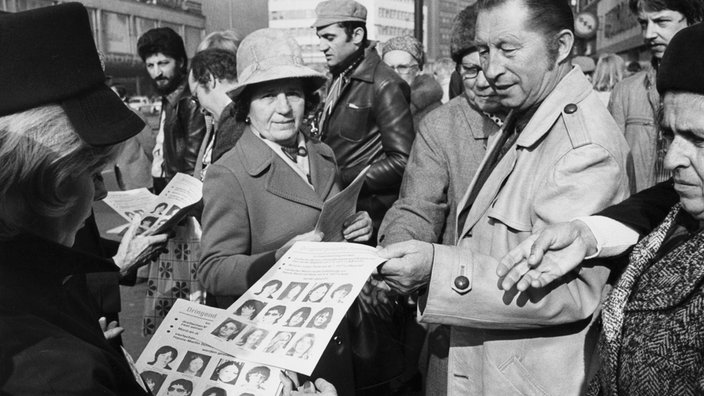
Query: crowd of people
{"type": "Point", "coordinates": [540, 215]}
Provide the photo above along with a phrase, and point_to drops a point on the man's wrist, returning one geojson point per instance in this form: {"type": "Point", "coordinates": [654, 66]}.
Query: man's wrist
{"type": "Point", "coordinates": [585, 234]}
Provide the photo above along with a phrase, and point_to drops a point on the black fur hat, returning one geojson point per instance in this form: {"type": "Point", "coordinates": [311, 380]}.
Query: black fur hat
{"type": "Point", "coordinates": [162, 40]}
{"type": "Point", "coordinates": [462, 33]}
{"type": "Point", "coordinates": [682, 64]}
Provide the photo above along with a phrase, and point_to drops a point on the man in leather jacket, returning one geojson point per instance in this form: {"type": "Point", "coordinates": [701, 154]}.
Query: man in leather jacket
{"type": "Point", "coordinates": [366, 118]}
{"type": "Point", "coordinates": [181, 123]}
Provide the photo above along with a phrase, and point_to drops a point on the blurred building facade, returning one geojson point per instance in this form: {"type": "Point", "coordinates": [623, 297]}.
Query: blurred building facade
{"type": "Point", "coordinates": [385, 19]}
{"type": "Point", "coordinates": [440, 14]}
{"type": "Point", "coordinates": [118, 24]}
{"type": "Point", "coordinates": [241, 16]}
{"type": "Point", "coordinates": [616, 31]}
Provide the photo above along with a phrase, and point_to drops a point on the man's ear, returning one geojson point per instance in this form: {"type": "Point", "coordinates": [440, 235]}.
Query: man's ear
{"type": "Point", "coordinates": [358, 35]}
{"type": "Point", "coordinates": [212, 81]}
{"type": "Point", "coordinates": [565, 39]}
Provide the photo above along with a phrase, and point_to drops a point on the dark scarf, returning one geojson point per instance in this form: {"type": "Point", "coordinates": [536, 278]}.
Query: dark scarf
{"type": "Point", "coordinates": [346, 66]}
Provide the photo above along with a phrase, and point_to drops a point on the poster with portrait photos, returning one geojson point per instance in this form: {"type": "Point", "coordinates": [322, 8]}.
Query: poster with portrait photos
{"type": "Point", "coordinates": [176, 362]}
{"type": "Point", "coordinates": [287, 318]}
{"type": "Point", "coordinates": [159, 213]}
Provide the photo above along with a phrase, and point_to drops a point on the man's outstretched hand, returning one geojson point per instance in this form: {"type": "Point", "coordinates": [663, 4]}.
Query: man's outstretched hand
{"type": "Point", "coordinates": [546, 256]}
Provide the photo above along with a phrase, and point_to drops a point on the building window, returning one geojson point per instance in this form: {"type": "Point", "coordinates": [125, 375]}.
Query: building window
{"type": "Point", "coordinates": [192, 39]}
{"type": "Point", "coordinates": [175, 27]}
{"type": "Point", "coordinates": [116, 33]}
{"type": "Point", "coordinates": [142, 25]}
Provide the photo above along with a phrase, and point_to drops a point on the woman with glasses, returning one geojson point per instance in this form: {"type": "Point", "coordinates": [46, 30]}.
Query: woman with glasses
{"type": "Point", "coordinates": [405, 55]}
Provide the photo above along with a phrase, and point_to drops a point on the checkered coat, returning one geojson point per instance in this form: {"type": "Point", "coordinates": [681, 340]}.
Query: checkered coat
{"type": "Point", "coordinates": [653, 321]}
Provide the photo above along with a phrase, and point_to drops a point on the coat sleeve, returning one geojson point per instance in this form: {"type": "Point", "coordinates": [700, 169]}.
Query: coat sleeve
{"type": "Point", "coordinates": [422, 208]}
{"type": "Point", "coordinates": [227, 267]}
{"type": "Point", "coordinates": [60, 366]}
{"type": "Point", "coordinates": [567, 191]}
{"type": "Point", "coordinates": [645, 210]}
{"type": "Point", "coordinates": [393, 117]}
{"type": "Point", "coordinates": [193, 122]}
{"type": "Point", "coordinates": [617, 107]}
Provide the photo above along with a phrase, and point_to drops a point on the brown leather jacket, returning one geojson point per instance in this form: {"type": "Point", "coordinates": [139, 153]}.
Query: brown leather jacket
{"type": "Point", "coordinates": [372, 124]}
{"type": "Point", "coordinates": [184, 131]}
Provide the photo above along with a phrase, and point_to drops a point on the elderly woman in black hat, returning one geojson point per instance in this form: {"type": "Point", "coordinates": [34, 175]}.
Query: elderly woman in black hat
{"type": "Point", "coordinates": [59, 126]}
{"type": "Point", "coordinates": [267, 191]}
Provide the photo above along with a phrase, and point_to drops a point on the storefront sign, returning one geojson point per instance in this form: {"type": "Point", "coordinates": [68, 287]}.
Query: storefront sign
{"type": "Point", "coordinates": [618, 20]}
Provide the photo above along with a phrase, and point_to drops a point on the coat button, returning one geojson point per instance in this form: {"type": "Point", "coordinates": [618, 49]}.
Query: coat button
{"type": "Point", "coordinates": [337, 339]}
{"type": "Point", "coordinates": [570, 108]}
{"type": "Point", "coordinates": [461, 282]}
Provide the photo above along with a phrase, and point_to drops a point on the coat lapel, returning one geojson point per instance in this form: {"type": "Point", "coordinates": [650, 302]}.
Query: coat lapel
{"type": "Point", "coordinates": [573, 88]}
{"type": "Point", "coordinates": [322, 168]}
{"type": "Point", "coordinates": [480, 126]}
{"type": "Point", "coordinates": [489, 191]}
{"type": "Point", "coordinates": [261, 161]}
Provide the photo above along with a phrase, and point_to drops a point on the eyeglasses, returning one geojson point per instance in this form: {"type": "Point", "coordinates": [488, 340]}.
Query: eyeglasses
{"type": "Point", "coordinates": [404, 69]}
{"type": "Point", "coordinates": [468, 71]}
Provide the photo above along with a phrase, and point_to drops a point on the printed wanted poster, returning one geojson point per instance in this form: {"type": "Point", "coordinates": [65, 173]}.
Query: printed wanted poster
{"type": "Point", "coordinates": [287, 318]}
{"type": "Point", "coordinates": [159, 212]}
{"type": "Point", "coordinates": [175, 362]}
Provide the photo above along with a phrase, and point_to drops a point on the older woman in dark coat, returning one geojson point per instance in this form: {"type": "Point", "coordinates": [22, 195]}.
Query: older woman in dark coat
{"type": "Point", "coordinates": [59, 123]}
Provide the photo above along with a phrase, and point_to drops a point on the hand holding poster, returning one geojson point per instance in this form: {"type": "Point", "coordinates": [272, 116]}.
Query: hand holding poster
{"type": "Point", "coordinates": [159, 213]}
{"type": "Point", "coordinates": [176, 362]}
{"type": "Point", "coordinates": [287, 317]}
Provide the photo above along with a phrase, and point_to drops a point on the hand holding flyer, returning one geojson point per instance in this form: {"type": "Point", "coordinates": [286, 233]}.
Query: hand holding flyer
{"type": "Point", "coordinates": [176, 360]}
{"type": "Point", "coordinates": [287, 318]}
{"type": "Point", "coordinates": [162, 212]}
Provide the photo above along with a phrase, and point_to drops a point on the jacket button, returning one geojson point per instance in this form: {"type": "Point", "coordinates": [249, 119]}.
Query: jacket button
{"type": "Point", "coordinates": [337, 339]}
{"type": "Point", "coordinates": [461, 282]}
{"type": "Point", "coordinates": [570, 108]}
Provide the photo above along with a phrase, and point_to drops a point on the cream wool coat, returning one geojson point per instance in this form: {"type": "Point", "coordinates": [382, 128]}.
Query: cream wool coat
{"type": "Point", "coordinates": [564, 164]}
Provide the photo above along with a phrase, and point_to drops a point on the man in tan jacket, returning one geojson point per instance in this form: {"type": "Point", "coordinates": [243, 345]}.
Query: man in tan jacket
{"type": "Point", "coordinates": [559, 154]}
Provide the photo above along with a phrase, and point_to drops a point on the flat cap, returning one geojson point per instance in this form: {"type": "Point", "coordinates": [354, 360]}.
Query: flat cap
{"type": "Point", "coordinates": [334, 11]}
{"type": "Point", "coordinates": [462, 33]}
{"type": "Point", "coordinates": [682, 64]}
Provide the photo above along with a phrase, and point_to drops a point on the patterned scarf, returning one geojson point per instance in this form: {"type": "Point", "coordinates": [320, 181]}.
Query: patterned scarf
{"type": "Point", "coordinates": [613, 313]}
{"type": "Point", "coordinates": [335, 91]}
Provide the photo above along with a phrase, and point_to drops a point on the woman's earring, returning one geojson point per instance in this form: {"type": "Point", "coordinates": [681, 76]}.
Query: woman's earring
{"type": "Point", "coordinates": [247, 120]}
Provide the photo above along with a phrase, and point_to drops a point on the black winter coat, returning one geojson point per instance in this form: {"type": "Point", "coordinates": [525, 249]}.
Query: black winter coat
{"type": "Point", "coordinates": [51, 343]}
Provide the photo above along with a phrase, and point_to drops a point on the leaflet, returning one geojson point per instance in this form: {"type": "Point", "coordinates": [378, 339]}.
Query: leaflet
{"type": "Point", "coordinates": [338, 208]}
{"type": "Point", "coordinates": [287, 318]}
{"type": "Point", "coordinates": [160, 212]}
{"type": "Point", "coordinates": [175, 360]}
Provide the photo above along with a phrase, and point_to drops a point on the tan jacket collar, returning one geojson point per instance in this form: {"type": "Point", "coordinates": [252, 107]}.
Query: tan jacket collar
{"type": "Point", "coordinates": [573, 88]}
